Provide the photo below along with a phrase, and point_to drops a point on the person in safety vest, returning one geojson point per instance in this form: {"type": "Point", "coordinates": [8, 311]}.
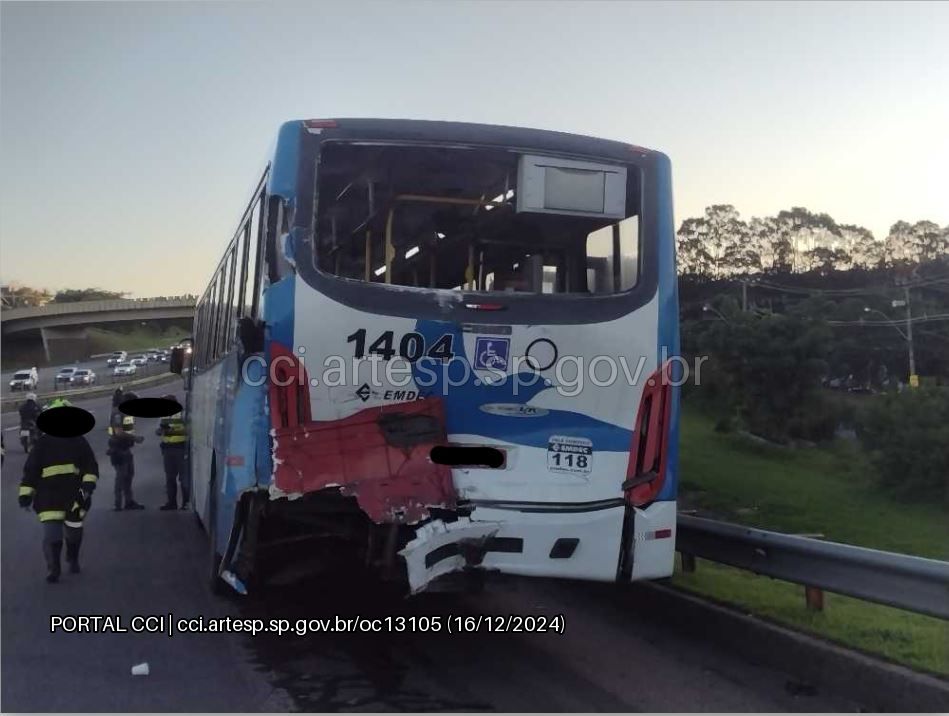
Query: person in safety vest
{"type": "Point", "coordinates": [122, 439]}
{"type": "Point", "coordinates": [59, 477]}
{"type": "Point", "coordinates": [174, 451]}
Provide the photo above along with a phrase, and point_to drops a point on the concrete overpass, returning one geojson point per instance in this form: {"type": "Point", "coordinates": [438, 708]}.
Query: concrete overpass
{"type": "Point", "coordinates": [60, 321]}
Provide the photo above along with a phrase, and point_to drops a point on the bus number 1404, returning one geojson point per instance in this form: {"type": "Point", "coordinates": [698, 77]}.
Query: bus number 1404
{"type": "Point", "coordinates": [411, 347]}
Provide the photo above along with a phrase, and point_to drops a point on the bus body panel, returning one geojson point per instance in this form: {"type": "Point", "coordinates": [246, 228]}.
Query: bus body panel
{"type": "Point", "coordinates": [523, 414]}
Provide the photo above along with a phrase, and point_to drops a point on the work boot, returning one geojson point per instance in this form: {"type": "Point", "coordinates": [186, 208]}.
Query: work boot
{"type": "Point", "coordinates": [168, 506]}
{"type": "Point", "coordinates": [134, 506]}
{"type": "Point", "coordinates": [117, 508]}
{"type": "Point", "coordinates": [186, 505]}
{"type": "Point", "coordinates": [72, 556]}
{"type": "Point", "coordinates": [52, 552]}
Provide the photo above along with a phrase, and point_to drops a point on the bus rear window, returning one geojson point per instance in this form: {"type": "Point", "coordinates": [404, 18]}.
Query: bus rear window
{"type": "Point", "coordinates": [476, 220]}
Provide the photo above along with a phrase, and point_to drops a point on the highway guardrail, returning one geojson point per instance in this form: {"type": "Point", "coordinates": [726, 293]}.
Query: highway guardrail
{"type": "Point", "coordinates": [898, 580]}
{"type": "Point", "coordinates": [10, 402]}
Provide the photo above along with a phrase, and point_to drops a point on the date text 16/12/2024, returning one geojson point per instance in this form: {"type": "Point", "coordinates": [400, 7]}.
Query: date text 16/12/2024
{"type": "Point", "coordinates": [170, 625]}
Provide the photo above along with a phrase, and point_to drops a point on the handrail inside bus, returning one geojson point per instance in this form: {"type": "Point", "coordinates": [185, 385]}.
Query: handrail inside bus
{"type": "Point", "coordinates": [426, 198]}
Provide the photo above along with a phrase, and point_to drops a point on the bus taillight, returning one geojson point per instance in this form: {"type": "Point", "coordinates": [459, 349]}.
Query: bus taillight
{"type": "Point", "coordinates": [320, 123]}
{"type": "Point", "coordinates": [648, 449]}
{"type": "Point", "coordinates": [289, 392]}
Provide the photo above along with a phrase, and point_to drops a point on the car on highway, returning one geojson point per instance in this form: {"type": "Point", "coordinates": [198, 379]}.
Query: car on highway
{"type": "Point", "coordinates": [153, 355]}
{"type": "Point", "coordinates": [83, 376]}
{"type": "Point", "coordinates": [139, 360]}
{"type": "Point", "coordinates": [116, 358]}
{"type": "Point", "coordinates": [65, 375]}
{"type": "Point", "coordinates": [126, 368]}
{"type": "Point", "coordinates": [26, 379]}
{"type": "Point", "coordinates": [165, 356]}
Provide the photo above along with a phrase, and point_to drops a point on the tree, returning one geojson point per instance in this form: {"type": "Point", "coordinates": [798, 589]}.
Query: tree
{"type": "Point", "coordinates": [824, 260]}
{"type": "Point", "coordinates": [16, 295]}
{"type": "Point", "coordinates": [72, 295]}
{"type": "Point", "coordinates": [864, 249]}
{"type": "Point", "coordinates": [916, 243]}
{"type": "Point", "coordinates": [765, 371]}
{"type": "Point", "coordinates": [717, 244]}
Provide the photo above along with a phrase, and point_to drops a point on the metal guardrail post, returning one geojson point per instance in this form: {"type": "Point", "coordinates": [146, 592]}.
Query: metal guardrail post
{"type": "Point", "coordinates": [898, 580]}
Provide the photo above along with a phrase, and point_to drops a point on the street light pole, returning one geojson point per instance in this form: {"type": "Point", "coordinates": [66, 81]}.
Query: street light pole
{"type": "Point", "coordinates": [907, 334]}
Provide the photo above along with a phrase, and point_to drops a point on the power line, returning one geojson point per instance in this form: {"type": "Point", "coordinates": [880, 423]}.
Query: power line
{"type": "Point", "coordinates": [900, 321]}
{"type": "Point", "coordinates": [929, 281]}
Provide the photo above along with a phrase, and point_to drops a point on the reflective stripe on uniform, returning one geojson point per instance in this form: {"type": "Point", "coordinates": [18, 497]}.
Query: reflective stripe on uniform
{"type": "Point", "coordinates": [174, 438]}
{"type": "Point", "coordinates": [26, 490]}
{"type": "Point", "coordinates": [89, 477]}
{"type": "Point", "coordinates": [72, 524]}
{"type": "Point", "coordinates": [63, 469]}
{"type": "Point", "coordinates": [48, 515]}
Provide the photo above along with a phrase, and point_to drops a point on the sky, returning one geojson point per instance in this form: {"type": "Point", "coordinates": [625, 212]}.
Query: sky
{"type": "Point", "coordinates": [131, 134]}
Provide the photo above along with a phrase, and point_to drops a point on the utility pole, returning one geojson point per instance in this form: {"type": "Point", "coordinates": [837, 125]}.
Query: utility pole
{"type": "Point", "coordinates": [909, 338]}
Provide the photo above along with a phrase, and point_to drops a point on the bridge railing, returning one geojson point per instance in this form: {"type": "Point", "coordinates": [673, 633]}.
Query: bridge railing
{"type": "Point", "coordinates": [117, 304]}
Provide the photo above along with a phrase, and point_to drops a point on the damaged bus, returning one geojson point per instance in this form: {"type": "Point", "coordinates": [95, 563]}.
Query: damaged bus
{"type": "Point", "coordinates": [438, 350]}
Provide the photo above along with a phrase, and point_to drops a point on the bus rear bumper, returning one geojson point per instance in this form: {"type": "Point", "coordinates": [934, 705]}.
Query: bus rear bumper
{"type": "Point", "coordinates": [557, 543]}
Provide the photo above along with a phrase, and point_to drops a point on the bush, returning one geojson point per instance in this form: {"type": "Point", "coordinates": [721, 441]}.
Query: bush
{"type": "Point", "coordinates": [907, 437]}
{"type": "Point", "coordinates": [764, 372]}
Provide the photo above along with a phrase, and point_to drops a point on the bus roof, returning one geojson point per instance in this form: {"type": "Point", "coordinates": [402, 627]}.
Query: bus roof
{"type": "Point", "coordinates": [286, 153]}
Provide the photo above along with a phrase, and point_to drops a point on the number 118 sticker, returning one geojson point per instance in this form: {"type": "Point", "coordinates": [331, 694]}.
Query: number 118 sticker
{"type": "Point", "coordinates": [566, 454]}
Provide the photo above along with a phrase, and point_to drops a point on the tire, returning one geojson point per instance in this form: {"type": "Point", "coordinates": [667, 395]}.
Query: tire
{"type": "Point", "coordinates": [215, 583]}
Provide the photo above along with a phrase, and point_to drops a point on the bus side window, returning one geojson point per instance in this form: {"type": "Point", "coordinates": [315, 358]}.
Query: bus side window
{"type": "Point", "coordinates": [198, 331]}
{"type": "Point", "coordinates": [218, 314]}
{"type": "Point", "coordinates": [226, 337]}
{"type": "Point", "coordinates": [239, 287]}
{"type": "Point", "coordinates": [252, 286]}
{"type": "Point", "coordinates": [207, 339]}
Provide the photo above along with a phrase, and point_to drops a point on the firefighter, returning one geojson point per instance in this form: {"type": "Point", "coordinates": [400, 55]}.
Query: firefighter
{"type": "Point", "coordinates": [174, 449]}
{"type": "Point", "coordinates": [59, 478]}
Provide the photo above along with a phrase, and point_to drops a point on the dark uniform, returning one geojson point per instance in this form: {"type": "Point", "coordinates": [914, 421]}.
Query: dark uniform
{"type": "Point", "coordinates": [122, 439]}
{"type": "Point", "coordinates": [59, 478]}
{"type": "Point", "coordinates": [29, 412]}
{"type": "Point", "coordinates": [174, 451]}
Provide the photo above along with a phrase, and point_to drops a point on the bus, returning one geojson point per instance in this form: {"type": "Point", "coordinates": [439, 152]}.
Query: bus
{"type": "Point", "coordinates": [437, 351]}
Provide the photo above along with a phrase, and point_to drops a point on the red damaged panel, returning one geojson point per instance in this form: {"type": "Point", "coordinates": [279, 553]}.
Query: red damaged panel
{"type": "Point", "coordinates": [379, 455]}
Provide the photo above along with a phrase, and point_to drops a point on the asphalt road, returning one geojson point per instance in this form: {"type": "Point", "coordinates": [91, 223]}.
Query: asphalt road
{"type": "Point", "coordinates": [136, 563]}
{"type": "Point", "coordinates": [102, 371]}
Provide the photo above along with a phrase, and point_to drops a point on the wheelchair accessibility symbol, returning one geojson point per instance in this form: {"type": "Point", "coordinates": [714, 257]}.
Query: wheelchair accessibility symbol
{"type": "Point", "coordinates": [492, 353]}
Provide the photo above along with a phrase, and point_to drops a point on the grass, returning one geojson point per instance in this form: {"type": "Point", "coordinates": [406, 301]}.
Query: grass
{"type": "Point", "coordinates": [914, 640]}
{"type": "Point", "coordinates": [823, 490]}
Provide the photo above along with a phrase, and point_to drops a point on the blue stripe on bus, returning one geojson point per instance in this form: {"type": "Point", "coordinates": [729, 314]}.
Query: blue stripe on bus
{"type": "Point", "coordinates": [283, 172]}
{"type": "Point", "coordinates": [278, 311]}
{"type": "Point", "coordinates": [668, 338]}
